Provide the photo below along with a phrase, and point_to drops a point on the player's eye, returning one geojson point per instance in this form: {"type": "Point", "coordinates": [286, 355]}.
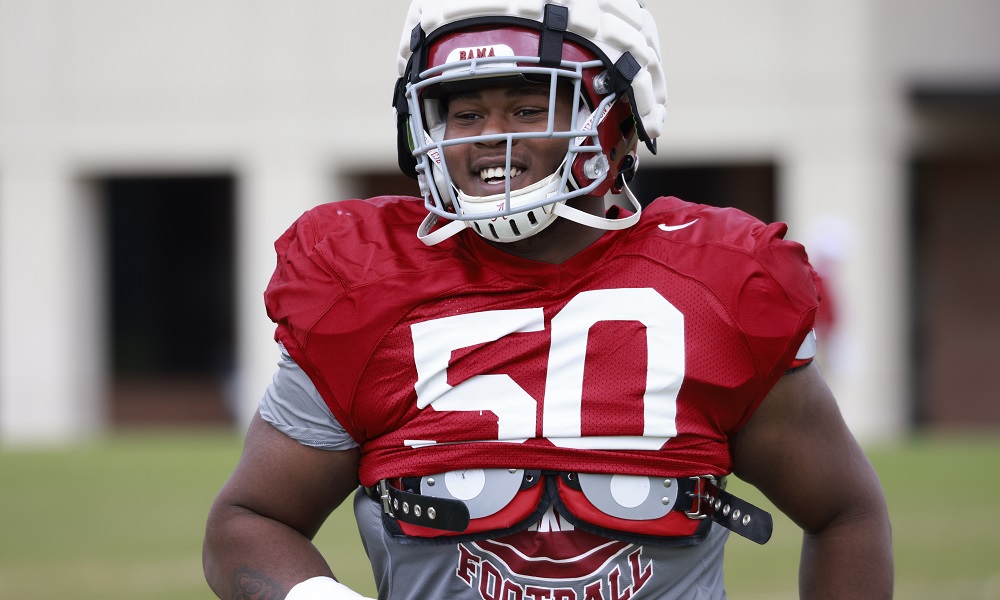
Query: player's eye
{"type": "Point", "coordinates": [528, 112]}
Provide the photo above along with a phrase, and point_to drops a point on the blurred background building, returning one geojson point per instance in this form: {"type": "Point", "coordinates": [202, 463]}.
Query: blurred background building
{"type": "Point", "coordinates": [152, 150]}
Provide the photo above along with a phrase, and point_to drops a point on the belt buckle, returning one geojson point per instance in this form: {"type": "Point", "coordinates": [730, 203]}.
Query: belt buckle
{"type": "Point", "coordinates": [383, 491]}
{"type": "Point", "coordinates": [697, 497]}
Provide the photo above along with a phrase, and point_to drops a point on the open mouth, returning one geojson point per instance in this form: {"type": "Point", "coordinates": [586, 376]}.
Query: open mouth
{"type": "Point", "coordinates": [495, 175]}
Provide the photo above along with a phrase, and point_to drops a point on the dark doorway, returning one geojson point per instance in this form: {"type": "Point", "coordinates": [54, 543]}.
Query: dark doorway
{"type": "Point", "coordinates": [748, 187]}
{"type": "Point", "coordinates": [955, 256]}
{"type": "Point", "coordinates": [957, 290]}
{"type": "Point", "coordinates": [387, 184]}
{"type": "Point", "coordinates": [170, 264]}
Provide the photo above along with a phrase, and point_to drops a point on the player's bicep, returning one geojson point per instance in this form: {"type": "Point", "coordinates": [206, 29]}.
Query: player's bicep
{"type": "Point", "coordinates": [799, 452]}
{"type": "Point", "coordinates": [284, 480]}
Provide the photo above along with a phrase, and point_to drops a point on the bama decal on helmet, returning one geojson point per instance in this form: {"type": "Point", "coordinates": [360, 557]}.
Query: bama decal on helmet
{"type": "Point", "coordinates": [553, 561]}
{"type": "Point", "coordinates": [459, 54]}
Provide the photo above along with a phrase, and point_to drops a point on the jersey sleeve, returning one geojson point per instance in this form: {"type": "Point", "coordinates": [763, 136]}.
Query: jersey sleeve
{"type": "Point", "coordinates": [777, 308]}
{"type": "Point", "coordinates": [303, 286]}
{"type": "Point", "coordinates": [302, 290]}
{"type": "Point", "coordinates": [797, 289]}
{"type": "Point", "coordinates": [293, 405]}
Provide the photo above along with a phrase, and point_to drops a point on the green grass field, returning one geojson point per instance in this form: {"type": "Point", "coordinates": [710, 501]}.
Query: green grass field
{"type": "Point", "coordinates": [122, 518]}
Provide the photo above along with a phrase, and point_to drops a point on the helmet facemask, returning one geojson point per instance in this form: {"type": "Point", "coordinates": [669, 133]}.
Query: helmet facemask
{"type": "Point", "coordinates": [516, 211]}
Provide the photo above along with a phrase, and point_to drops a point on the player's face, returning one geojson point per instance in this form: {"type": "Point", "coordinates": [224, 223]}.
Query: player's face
{"type": "Point", "coordinates": [478, 168]}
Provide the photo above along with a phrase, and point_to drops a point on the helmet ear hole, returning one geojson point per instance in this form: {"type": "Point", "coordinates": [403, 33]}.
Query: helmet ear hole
{"type": "Point", "coordinates": [532, 219]}
{"type": "Point", "coordinates": [404, 147]}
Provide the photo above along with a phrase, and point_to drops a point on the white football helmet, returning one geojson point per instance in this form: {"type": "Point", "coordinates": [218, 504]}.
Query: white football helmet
{"type": "Point", "coordinates": [607, 50]}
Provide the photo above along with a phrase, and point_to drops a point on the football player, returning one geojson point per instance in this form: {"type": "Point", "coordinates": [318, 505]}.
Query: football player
{"type": "Point", "coordinates": [532, 392]}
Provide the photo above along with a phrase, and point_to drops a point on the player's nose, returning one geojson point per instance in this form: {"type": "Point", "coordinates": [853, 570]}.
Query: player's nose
{"type": "Point", "coordinates": [495, 123]}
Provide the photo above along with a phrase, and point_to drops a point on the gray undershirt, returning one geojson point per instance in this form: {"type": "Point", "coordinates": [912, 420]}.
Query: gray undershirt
{"type": "Point", "coordinates": [294, 406]}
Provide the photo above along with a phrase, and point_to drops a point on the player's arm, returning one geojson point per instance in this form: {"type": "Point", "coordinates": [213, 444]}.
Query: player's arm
{"type": "Point", "coordinates": [798, 451]}
{"type": "Point", "coordinates": [257, 541]}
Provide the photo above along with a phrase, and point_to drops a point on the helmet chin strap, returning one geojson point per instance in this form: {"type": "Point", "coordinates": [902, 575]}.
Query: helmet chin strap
{"type": "Point", "coordinates": [576, 215]}
{"type": "Point", "coordinates": [584, 218]}
{"type": "Point", "coordinates": [425, 235]}
{"type": "Point", "coordinates": [428, 237]}
{"type": "Point", "coordinates": [546, 187]}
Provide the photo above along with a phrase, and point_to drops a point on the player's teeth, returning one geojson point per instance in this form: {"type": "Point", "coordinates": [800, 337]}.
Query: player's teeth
{"type": "Point", "coordinates": [497, 173]}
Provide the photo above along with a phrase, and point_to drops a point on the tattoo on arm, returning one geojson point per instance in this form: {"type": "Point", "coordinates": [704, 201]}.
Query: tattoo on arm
{"type": "Point", "coordinates": [249, 584]}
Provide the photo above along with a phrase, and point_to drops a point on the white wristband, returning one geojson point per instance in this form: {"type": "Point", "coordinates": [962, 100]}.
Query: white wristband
{"type": "Point", "coordinates": [323, 588]}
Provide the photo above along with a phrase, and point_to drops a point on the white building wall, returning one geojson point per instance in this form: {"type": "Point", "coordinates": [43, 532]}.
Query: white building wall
{"type": "Point", "coordinates": [292, 96]}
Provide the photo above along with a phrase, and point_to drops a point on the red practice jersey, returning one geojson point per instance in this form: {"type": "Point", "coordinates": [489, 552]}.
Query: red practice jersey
{"type": "Point", "coordinates": [641, 355]}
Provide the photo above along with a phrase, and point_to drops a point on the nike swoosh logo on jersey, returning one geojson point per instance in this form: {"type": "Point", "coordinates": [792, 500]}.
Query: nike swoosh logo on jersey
{"type": "Point", "coordinates": [676, 227]}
